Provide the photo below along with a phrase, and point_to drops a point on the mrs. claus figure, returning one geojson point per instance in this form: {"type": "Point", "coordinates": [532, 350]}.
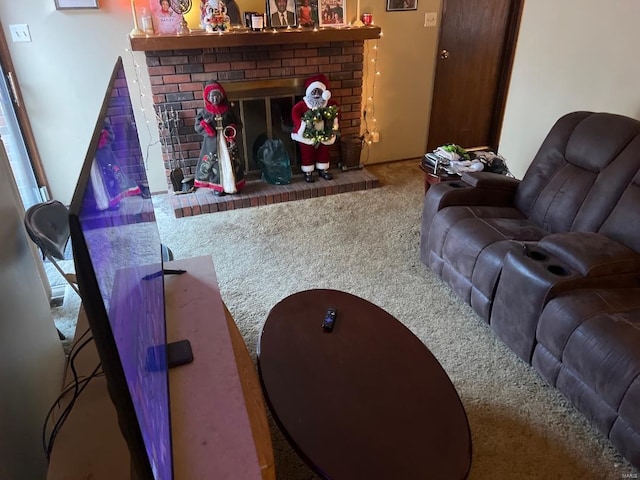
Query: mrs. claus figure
{"type": "Point", "coordinates": [315, 125]}
{"type": "Point", "coordinates": [220, 165]}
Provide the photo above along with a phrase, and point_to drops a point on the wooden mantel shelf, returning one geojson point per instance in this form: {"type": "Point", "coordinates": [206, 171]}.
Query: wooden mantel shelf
{"type": "Point", "coordinates": [242, 38]}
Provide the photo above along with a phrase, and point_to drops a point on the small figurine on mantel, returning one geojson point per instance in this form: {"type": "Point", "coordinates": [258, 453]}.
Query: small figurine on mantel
{"type": "Point", "coordinates": [213, 16]}
{"type": "Point", "coordinates": [315, 126]}
{"type": "Point", "coordinates": [219, 166]}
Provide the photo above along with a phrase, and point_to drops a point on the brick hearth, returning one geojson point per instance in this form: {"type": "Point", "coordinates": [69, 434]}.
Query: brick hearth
{"type": "Point", "coordinates": [257, 193]}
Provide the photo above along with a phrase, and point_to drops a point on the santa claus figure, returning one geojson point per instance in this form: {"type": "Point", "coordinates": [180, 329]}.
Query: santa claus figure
{"type": "Point", "coordinates": [315, 125]}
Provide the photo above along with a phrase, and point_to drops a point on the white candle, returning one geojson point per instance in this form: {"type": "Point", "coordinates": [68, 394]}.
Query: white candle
{"type": "Point", "coordinates": [136, 30]}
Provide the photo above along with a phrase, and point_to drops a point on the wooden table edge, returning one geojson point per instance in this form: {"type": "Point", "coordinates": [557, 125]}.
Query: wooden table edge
{"type": "Point", "coordinates": [254, 400]}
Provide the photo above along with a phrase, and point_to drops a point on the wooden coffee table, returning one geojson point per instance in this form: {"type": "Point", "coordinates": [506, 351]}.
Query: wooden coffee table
{"type": "Point", "coordinates": [365, 401]}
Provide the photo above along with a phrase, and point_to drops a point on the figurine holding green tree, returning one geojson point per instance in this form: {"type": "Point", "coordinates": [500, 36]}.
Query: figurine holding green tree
{"type": "Point", "coordinates": [315, 126]}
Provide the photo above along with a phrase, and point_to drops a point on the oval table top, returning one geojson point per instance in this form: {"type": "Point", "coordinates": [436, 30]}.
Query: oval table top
{"type": "Point", "coordinates": [367, 400]}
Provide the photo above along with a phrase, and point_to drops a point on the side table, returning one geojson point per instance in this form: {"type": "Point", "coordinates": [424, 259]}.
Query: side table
{"type": "Point", "coordinates": [431, 178]}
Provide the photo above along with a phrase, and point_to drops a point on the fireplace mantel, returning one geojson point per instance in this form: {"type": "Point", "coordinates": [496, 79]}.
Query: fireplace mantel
{"type": "Point", "coordinates": [243, 38]}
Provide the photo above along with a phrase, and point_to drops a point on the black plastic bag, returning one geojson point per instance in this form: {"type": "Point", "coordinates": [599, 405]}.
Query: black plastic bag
{"type": "Point", "coordinates": [274, 162]}
{"type": "Point", "coordinates": [493, 162]}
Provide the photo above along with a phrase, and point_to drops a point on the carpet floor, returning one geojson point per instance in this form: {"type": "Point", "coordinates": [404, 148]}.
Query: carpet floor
{"type": "Point", "coordinates": [367, 243]}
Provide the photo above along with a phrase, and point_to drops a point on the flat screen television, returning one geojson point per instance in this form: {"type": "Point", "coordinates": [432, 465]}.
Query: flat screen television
{"type": "Point", "coordinates": [119, 265]}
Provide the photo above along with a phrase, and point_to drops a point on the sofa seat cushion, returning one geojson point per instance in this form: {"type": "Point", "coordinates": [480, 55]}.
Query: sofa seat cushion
{"type": "Point", "coordinates": [596, 335]}
{"type": "Point", "coordinates": [589, 349]}
{"type": "Point", "coordinates": [467, 245]}
{"type": "Point", "coordinates": [619, 425]}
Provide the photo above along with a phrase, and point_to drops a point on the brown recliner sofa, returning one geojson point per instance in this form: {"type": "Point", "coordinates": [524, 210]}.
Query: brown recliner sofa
{"type": "Point", "coordinates": [552, 263]}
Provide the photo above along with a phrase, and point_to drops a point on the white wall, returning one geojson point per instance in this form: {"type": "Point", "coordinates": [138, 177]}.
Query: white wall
{"type": "Point", "coordinates": [63, 74]}
{"type": "Point", "coordinates": [402, 93]}
{"type": "Point", "coordinates": [31, 355]}
{"type": "Point", "coordinates": [571, 55]}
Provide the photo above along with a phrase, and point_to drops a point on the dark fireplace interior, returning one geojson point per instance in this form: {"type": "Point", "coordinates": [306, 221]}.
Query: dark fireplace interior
{"type": "Point", "coordinates": [264, 119]}
{"type": "Point", "coordinates": [267, 116]}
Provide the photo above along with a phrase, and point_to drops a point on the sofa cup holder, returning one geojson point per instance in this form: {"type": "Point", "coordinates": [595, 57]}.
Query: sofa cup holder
{"type": "Point", "coordinates": [536, 255]}
{"type": "Point", "coordinates": [558, 270]}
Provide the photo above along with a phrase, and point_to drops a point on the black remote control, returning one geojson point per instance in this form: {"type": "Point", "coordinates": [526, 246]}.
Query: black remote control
{"type": "Point", "coordinates": [329, 319]}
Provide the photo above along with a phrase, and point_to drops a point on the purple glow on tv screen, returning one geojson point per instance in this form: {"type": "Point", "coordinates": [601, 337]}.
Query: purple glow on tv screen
{"type": "Point", "coordinates": [117, 223]}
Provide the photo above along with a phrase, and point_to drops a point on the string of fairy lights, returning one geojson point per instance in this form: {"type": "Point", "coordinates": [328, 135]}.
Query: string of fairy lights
{"type": "Point", "coordinates": [370, 98]}
{"type": "Point", "coordinates": [143, 94]}
{"type": "Point", "coordinates": [371, 74]}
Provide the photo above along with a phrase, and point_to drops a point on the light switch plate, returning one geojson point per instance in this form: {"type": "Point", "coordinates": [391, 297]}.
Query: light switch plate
{"type": "Point", "coordinates": [430, 19]}
{"type": "Point", "coordinates": [20, 33]}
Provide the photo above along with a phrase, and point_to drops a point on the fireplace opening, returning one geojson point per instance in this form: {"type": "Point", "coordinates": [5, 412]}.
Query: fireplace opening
{"type": "Point", "coordinates": [264, 108]}
{"type": "Point", "coordinates": [263, 119]}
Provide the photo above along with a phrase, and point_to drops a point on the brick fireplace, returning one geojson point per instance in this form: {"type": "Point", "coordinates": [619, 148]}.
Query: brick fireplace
{"type": "Point", "coordinates": [179, 66]}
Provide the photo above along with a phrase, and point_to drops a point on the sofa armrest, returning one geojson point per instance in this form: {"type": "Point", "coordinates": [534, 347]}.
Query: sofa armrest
{"type": "Point", "coordinates": [493, 181]}
{"type": "Point", "coordinates": [476, 188]}
{"type": "Point", "coordinates": [562, 262]}
{"type": "Point", "coordinates": [473, 188]}
{"type": "Point", "coordinates": [591, 254]}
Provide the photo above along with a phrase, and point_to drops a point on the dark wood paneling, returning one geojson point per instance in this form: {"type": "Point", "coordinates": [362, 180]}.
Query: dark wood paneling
{"type": "Point", "coordinates": [470, 85]}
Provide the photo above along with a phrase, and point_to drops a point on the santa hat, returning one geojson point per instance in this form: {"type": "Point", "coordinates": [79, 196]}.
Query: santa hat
{"type": "Point", "coordinates": [318, 81]}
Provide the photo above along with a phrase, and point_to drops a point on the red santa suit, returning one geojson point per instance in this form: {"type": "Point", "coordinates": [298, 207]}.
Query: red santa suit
{"type": "Point", "coordinates": [314, 152]}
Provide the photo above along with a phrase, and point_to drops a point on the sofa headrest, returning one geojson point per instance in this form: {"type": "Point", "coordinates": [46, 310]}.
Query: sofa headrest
{"type": "Point", "coordinates": [598, 139]}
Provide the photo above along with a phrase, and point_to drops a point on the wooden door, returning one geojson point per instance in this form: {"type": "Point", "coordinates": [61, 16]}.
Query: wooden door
{"type": "Point", "coordinates": [475, 54]}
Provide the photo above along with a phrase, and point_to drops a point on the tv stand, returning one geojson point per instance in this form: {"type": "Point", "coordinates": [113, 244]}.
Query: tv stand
{"type": "Point", "coordinates": [219, 422]}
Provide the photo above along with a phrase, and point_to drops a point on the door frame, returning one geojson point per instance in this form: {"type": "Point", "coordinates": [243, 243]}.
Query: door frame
{"type": "Point", "coordinates": [30, 144]}
{"type": "Point", "coordinates": [508, 55]}
{"type": "Point", "coordinates": [21, 113]}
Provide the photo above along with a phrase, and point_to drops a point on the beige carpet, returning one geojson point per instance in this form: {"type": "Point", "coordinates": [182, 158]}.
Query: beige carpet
{"type": "Point", "coordinates": [367, 243]}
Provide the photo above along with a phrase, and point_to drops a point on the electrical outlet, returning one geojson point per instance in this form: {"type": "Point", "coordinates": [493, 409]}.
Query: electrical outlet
{"type": "Point", "coordinates": [430, 19]}
{"type": "Point", "coordinates": [20, 33]}
{"type": "Point", "coordinates": [375, 137]}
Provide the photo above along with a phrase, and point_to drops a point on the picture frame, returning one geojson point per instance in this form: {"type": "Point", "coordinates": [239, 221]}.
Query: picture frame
{"type": "Point", "coordinates": [73, 4]}
{"type": "Point", "coordinates": [165, 20]}
{"type": "Point", "coordinates": [308, 13]}
{"type": "Point", "coordinates": [401, 5]}
{"type": "Point", "coordinates": [332, 13]}
{"type": "Point", "coordinates": [274, 15]}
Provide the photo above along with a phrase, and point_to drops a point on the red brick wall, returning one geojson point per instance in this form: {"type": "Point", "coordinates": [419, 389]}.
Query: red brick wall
{"type": "Point", "coordinates": [125, 145]}
{"type": "Point", "coordinates": [177, 78]}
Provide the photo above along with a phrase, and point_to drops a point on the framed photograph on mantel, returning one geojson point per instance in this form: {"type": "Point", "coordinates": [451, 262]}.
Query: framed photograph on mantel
{"type": "Point", "coordinates": [165, 20]}
{"type": "Point", "coordinates": [282, 13]}
{"type": "Point", "coordinates": [307, 11]}
{"type": "Point", "coordinates": [401, 5]}
{"type": "Point", "coordinates": [332, 13]}
{"type": "Point", "coordinates": [69, 4]}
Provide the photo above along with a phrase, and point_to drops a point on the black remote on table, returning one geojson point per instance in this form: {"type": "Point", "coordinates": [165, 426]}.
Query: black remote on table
{"type": "Point", "coordinates": [329, 319]}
